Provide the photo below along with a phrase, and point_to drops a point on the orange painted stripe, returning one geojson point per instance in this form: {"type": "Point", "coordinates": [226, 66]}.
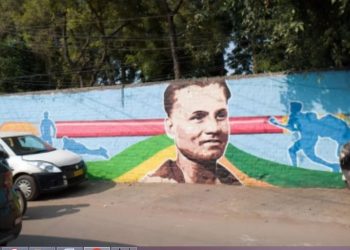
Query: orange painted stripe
{"type": "Point", "coordinates": [19, 127]}
{"type": "Point", "coordinates": [242, 177]}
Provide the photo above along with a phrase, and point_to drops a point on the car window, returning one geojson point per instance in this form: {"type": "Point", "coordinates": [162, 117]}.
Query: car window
{"type": "Point", "coordinates": [30, 142]}
{"type": "Point", "coordinates": [27, 144]}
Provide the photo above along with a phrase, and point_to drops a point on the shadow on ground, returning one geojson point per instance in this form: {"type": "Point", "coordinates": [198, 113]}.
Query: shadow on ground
{"type": "Point", "coordinates": [83, 189]}
{"type": "Point", "coordinates": [46, 212]}
{"type": "Point", "coordinates": [47, 241]}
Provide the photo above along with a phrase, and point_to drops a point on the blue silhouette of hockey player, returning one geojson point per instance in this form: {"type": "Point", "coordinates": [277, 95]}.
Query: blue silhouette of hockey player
{"type": "Point", "coordinates": [81, 149]}
{"type": "Point", "coordinates": [309, 129]}
{"type": "Point", "coordinates": [47, 129]}
{"type": "Point", "coordinates": [336, 129]}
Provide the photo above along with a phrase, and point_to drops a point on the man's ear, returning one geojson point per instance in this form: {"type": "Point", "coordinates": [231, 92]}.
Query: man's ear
{"type": "Point", "coordinates": [168, 125]}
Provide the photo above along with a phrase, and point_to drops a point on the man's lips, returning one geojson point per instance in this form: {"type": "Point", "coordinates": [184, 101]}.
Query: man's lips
{"type": "Point", "coordinates": [210, 141]}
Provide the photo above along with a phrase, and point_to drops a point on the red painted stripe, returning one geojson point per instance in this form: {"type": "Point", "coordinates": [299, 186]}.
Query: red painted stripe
{"type": "Point", "coordinates": [149, 127]}
{"type": "Point", "coordinates": [253, 125]}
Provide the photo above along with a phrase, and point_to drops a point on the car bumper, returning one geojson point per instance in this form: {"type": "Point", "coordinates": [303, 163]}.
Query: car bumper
{"type": "Point", "coordinates": [48, 182]}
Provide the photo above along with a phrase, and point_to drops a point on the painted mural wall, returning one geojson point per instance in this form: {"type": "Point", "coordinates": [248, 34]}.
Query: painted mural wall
{"type": "Point", "coordinates": [285, 130]}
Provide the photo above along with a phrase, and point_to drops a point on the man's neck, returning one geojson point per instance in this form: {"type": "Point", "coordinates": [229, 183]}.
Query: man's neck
{"type": "Point", "coordinates": [197, 172]}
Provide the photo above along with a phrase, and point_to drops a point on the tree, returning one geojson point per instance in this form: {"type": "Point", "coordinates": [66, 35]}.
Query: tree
{"type": "Point", "coordinates": [205, 37]}
{"type": "Point", "coordinates": [20, 69]}
{"type": "Point", "coordinates": [289, 35]}
{"type": "Point", "coordinates": [191, 37]}
{"type": "Point", "coordinates": [80, 43]}
{"type": "Point", "coordinates": [112, 25]}
{"type": "Point", "coordinates": [78, 38]}
{"type": "Point", "coordinates": [85, 42]}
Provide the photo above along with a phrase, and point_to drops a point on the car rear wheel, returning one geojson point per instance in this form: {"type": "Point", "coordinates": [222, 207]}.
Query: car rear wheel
{"type": "Point", "coordinates": [28, 186]}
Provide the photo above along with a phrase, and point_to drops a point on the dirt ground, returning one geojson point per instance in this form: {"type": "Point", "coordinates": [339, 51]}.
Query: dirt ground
{"type": "Point", "coordinates": [109, 214]}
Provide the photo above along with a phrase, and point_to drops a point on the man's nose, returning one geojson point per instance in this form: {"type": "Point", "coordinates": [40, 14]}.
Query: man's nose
{"type": "Point", "coordinates": [211, 126]}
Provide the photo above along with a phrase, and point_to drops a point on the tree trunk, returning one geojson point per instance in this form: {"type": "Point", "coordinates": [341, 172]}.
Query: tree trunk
{"type": "Point", "coordinates": [81, 81]}
{"type": "Point", "coordinates": [173, 45]}
{"type": "Point", "coordinates": [172, 36]}
{"type": "Point", "coordinates": [123, 74]}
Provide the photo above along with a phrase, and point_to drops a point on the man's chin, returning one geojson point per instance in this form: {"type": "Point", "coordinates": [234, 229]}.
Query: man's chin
{"type": "Point", "coordinates": [209, 157]}
{"type": "Point", "coordinates": [204, 155]}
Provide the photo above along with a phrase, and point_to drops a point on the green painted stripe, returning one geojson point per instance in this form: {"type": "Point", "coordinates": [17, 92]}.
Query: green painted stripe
{"type": "Point", "coordinates": [268, 171]}
{"type": "Point", "coordinates": [127, 159]}
{"type": "Point", "coordinates": [282, 175]}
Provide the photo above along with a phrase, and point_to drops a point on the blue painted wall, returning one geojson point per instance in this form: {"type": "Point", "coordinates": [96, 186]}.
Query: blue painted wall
{"type": "Point", "coordinates": [321, 93]}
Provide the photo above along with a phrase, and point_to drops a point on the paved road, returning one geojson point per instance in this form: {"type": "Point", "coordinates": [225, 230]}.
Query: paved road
{"type": "Point", "coordinates": [106, 214]}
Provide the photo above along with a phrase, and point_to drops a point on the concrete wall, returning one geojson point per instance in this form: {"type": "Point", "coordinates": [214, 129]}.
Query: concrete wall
{"type": "Point", "coordinates": [120, 133]}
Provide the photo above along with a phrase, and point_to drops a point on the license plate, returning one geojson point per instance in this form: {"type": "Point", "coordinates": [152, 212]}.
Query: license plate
{"type": "Point", "coordinates": [78, 172]}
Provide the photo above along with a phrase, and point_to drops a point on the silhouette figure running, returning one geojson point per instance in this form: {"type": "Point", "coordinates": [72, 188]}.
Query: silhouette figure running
{"type": "Point", "coordinates": [309, 128]}
{"type": "Point", "coordinates": [47, 129]}
{"type": "Point", "coordinates": [79, 148]}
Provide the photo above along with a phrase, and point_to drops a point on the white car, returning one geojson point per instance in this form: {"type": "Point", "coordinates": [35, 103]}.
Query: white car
{"type": "Point", "coordinates": [38, 167]}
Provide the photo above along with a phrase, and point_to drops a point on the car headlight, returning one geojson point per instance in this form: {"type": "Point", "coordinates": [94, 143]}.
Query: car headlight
{"type": "Point", "coordinates": [45, 166]}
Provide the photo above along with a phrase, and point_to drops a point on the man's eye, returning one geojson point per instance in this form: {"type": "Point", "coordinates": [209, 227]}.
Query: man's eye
{"type": "Point", "coordinates": [221, 115]}
{"type": "Point", "coordinates": [197, 116]}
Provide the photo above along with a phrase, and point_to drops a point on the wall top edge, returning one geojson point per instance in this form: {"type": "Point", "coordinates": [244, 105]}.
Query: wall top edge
{"type": "Point", "coordinates": [133, 85]}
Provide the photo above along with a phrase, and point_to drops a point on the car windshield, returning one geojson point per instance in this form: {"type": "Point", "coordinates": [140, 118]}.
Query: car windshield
{"type": "Point", "coordinates": [27, 144]}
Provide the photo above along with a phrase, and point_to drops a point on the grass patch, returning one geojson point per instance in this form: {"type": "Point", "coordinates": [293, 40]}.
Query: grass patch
{"type": "Point", "coordinates": [280, 174]}
{"type": "Point", "coordinates": [127, 159]}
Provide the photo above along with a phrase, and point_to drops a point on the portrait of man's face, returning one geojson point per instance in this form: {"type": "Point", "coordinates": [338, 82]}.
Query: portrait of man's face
{"type": "Point", "coordinates": [199, 122]}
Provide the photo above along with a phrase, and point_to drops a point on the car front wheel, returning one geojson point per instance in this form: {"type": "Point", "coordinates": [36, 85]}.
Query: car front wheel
{"type": "Point", "coordinates": [28, 186]}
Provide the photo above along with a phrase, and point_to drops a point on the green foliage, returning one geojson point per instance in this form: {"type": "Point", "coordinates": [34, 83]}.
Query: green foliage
{"type": "Point", "coordinates": [79, 43]}
{"type": "Point", "coordinates": [290, 35]}
{"type": "Point", "coordinates": [17, 64]}
{"type": "Point", "coordinates": [200, 40]}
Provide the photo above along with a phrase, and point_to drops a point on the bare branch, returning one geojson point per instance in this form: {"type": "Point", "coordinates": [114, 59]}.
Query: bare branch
{"type": "Point", "coordinates": [118, 29]}
{"type": "Point", "coordinates": [177, 7]}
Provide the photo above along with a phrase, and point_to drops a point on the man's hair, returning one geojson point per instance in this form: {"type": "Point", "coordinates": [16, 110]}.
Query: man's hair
{"type": "Point", "coordinates": [169, 93]}
{"type": "Point", "coordinates": [345, 157]}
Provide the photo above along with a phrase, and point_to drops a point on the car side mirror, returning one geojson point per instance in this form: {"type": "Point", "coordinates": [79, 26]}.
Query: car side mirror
{"type": "Point", "coordinates": [3, 155]}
